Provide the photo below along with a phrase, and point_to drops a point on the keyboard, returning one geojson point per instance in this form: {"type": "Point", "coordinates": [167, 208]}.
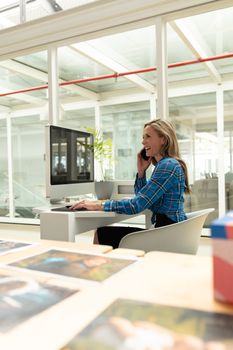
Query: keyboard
{"type": "Point", "coordinates": [67, 208]}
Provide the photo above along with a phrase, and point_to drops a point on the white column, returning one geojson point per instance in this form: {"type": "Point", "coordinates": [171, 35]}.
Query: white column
{"type": "Point", "coordinates": [53, 86]}
{"type": "Point", "coordinates": [220, 136]}
{"type": "Point", "coordinates": [161, 64]}
{"type": "Point", "coordinates": [152, 106]}
{"type": "Point", "coordinates": [193, 151]}
{"type": "Point", "coordinates": [22, 10]}
{"type": "Point", "coordinates": [98, 167]}
{"type": "Point", "coordinates": [230, 150]}
{"type": "Point", "coordinates": [10, 167]}
{"type": "Point", "coordinates": [97, 117]}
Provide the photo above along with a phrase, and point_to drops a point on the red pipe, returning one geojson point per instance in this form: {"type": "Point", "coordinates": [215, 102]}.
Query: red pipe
{"type": "Point", "coordinates": [25, 90]}
{"type": "Point", "coordinates": [117, 75]}
{"type": "Point", "coordinates": [200, 60]}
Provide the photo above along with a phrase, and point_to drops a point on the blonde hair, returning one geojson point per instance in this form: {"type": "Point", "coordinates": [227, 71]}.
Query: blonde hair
{"type": "Point", "coordinates": [171, 147]}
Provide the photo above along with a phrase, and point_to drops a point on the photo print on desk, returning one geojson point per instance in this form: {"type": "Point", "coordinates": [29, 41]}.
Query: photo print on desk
{"type": "Point", "coordinates": [137, 325]}
{"type": "Point", "coordinates": [21, 298]}
{"type": "Point", "coordinates": [10, 246]}
{"type": "Point", "coordinates": [74, 264]}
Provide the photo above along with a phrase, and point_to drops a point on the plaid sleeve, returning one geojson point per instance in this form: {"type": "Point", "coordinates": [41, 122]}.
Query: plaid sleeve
{"type": "Point", "coordinates": [139, 183]}
{"type": "Point", "coordinates": [164, 177]}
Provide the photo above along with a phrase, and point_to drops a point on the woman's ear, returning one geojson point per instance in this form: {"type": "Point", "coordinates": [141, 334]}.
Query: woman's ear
{"type": "Point", "coordinates": [163, 140]}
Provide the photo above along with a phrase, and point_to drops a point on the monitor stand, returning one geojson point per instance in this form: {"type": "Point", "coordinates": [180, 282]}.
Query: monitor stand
{"type": "Point", "coordinates": [56, 201]}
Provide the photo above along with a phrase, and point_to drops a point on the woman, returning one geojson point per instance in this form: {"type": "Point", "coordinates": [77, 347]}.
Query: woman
{"type": "Point", "coordinates": [162, 193]}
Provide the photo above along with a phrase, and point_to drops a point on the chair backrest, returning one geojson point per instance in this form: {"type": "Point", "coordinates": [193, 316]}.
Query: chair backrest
{"type": "Point", "coordinates": [181, 237]}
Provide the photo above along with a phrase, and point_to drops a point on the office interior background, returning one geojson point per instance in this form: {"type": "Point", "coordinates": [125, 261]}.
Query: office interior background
{"type": "Point", "coordinates": [45, 43]}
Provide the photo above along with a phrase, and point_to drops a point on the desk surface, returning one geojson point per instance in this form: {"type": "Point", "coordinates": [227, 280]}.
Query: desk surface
{"type": "Point", "coordinates": [164, 278]}
{"type": "Point", "coordinates": [42, 245]}
{"type": "Point", "coordinates": [87, 213]}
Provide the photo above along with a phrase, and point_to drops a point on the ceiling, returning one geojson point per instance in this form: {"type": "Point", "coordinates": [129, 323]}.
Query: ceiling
{"type": "Point", "coordinates": [188, 39]}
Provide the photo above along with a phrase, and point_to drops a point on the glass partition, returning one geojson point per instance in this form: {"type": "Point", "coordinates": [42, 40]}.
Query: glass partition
{"type": "Point", "coordinates": [124, 124]}
{"type": "Point", "coordinates": [27, 113]}
{"type": "Point", "coordinates": [195, 120]}
{"type": "Point", "coordinates": [28, 149]}
{"type": "Point", "coordinates": [4, 185]}
{"type": "Point", "coordinates": [228, 145]}
{"type": "Point", "coordinates": [74, 117]}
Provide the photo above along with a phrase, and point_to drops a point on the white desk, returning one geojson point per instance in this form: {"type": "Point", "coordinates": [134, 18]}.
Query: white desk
{"type": "Point", "coordinates": [63, 226]}
{"type": "Point", "coordinates": [163, 278]}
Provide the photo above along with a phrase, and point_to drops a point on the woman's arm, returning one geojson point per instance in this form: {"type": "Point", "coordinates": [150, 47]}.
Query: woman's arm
{"type": "Point", "coordinates": [164, 176]}
{"type": "Point", "coordinates": [142, 166]}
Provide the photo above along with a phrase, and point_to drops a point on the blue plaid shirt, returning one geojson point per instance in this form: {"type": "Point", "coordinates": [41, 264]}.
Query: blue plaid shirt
{"type": "Point", "coordinates": [163, 193]}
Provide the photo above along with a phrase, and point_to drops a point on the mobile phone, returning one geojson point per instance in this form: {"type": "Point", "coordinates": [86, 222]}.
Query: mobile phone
{"type": "Point", "coordinates": [143, 154]}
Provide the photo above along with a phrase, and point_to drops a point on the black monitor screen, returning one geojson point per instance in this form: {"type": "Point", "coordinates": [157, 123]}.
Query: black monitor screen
{"type": "Point", "coordinates": [72, 156]}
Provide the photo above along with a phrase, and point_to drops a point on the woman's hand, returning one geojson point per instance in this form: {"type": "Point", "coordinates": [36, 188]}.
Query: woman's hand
{"type": "Point", "coordinates": [88, 204]}
{"type": "Point", "coordinates": [142, 164]}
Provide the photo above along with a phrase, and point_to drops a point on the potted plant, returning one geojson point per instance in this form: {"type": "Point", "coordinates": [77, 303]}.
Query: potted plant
{"type": "Point", "coordinates": [102, 153]}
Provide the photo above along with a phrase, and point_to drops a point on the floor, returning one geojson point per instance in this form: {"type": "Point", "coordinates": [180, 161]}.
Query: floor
{"type": "Point", "coordinates": [32, 232]}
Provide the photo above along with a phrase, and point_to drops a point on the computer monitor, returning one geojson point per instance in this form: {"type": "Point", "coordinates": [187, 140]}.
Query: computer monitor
{"type": "Point", "coordinates": [69, 163]}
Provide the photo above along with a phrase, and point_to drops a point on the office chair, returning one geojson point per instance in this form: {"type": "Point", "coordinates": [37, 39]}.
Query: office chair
{"type": "Point", "coordinates": [181, 237]}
